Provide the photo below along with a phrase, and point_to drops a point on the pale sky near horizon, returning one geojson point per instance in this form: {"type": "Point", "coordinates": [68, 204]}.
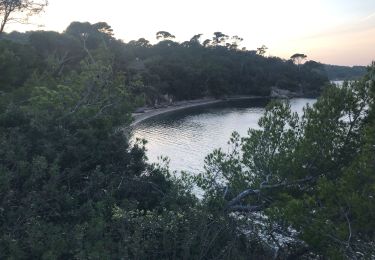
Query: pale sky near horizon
{"type": "Point", "coordinates": [331, 31]}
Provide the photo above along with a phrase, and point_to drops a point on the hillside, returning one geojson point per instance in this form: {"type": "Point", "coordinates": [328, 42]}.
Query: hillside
{"type": "Point", "coordinates": [165, 71]}
{"type": "Point", "coordinates": [335, 72]}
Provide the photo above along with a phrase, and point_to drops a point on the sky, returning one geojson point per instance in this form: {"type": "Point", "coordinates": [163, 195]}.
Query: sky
{"type": "Point", "coordinates": [338, 32]}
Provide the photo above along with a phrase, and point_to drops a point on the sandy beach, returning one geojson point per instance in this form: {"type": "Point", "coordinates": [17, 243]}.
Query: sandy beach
{"type": "Point", "coordinates": [151, 112]}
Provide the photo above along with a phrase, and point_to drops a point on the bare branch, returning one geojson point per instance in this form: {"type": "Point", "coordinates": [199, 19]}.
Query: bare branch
{"type": "Point", "coordinates": [350, 230]}
{"type": "Point", "coordinates": [234, 204]}
{"type": "Point", "coordinates": [84, 38]}
{"type": "Point", "coordinates": [242, 195]}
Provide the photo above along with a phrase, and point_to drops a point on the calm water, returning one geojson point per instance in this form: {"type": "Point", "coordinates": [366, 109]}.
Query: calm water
{"type": "Point", "coordinates": [187, 136]}
{"type": "Point", "coordinates": [338, 82]}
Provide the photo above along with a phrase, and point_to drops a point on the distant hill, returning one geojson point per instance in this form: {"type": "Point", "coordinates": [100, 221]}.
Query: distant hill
{"type": "Point", "coordinates": [335, 72]}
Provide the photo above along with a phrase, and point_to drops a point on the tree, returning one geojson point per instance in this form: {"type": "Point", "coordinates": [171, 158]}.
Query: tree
{"type": "Point", "coordinates": [163, 35]}
{"type": "Point", "coordinates": [206, 43]}
{"type": "Point", "coordinates": [103, 28]}
{"type": "Point", "coordinates": [236, 41]}
{"type": "Point", "coordinates": [195, 38]}
{"type": "Point", "coordinates": [19, 10]}
{"type": "Point", "coordinates": [17, 63]}
{"type": "Point", "coordinates": [219, 39]}
{"type": "Point", "coordinates": [142, 42]}
{"type": "Point", "coordinates": [262, 50]}
{"type": "Point", "coordinates": [193, 42]}
{"type": "Point", "coordinates": [298, 58]}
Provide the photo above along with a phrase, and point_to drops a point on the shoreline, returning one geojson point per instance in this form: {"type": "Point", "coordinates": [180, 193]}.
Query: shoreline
{"type": "Point", "coordinates": [152, 112]}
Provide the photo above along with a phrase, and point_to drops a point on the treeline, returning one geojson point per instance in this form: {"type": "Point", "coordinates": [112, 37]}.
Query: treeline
{"type": "Point", "coordinates": [166, 70]}
{"type": "Point", "coordinates": [335, 72]}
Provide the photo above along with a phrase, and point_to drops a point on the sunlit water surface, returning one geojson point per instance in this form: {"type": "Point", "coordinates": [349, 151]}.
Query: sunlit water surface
{"type": "Point", "coordinates": [187, 136]}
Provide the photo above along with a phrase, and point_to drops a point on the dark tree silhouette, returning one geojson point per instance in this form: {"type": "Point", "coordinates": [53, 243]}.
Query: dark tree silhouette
{"type": "Point", "coordinates": [262, 50]}
{"type": "Point", "coordinates": [298, 58]}
{"type": "Point", "coordinates": [163, 35]}
{"type": "Point", "coordinates": [219, 38]}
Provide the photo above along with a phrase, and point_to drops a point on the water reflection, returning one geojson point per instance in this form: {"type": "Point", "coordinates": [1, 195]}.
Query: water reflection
{"type": "Point", "coordinates": [187, 136]}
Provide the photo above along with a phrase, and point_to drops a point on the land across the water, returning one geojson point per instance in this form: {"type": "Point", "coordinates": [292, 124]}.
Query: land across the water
{"type": "Point", "coordinates": [151, 111]}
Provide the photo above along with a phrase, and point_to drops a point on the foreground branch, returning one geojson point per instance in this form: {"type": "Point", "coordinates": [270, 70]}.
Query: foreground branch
{"type": "Point", "coordinates": [235, 204]}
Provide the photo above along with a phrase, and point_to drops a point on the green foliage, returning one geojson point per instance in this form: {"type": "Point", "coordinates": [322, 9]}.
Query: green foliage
{"type": "Point", "coordinates": [311, 177]}
{"type": "Point", "coordinates": [65, 163]}
{"type": "Point", "coordinates": [72, 187]}
{"type": "Point", "coordinates": [17, 62]}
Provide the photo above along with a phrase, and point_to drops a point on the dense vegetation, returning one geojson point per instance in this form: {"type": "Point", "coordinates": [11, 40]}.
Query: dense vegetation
{"type": "Point", "coordinates": [335, 72]}
{"type": "Point", "coordinates": [188, 70]}
{"type": "Point", "coordinates": [311, 177]}
{"type": "Point", "coordinates": [72, 187]}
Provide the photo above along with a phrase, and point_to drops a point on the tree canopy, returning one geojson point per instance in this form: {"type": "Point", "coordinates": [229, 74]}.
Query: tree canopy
{"type": "Point", "coordinates": [164, 35]}
{"type": "Point", "coordinates": [192, 69]}
{"type": "Point", "coordinates": [298, 58]}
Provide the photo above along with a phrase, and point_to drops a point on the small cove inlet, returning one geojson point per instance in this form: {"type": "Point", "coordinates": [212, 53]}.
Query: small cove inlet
{"type": "Point", "coordinates": [186, 136]}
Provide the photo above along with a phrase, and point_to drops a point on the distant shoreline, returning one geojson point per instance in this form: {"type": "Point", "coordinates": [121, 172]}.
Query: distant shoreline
{"type": "Point", "coordinates": [152, 112]}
